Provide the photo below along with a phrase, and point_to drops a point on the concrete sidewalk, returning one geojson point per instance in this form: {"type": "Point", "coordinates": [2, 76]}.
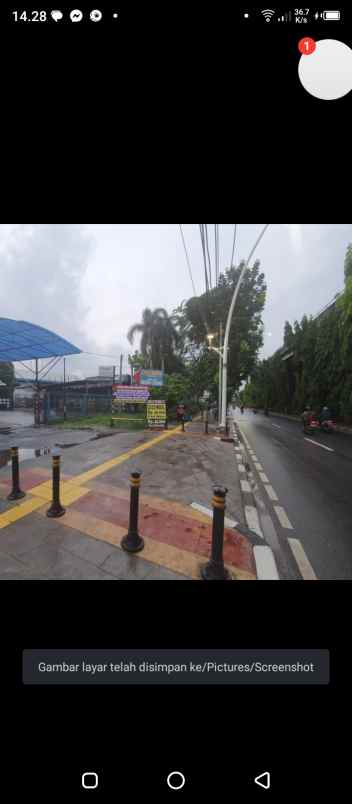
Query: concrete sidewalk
{"type": "Point", "coordinates": [178, 470]}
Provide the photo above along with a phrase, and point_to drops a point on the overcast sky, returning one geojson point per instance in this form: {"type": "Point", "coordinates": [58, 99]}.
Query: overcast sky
{"type": "Point", "coordinates": [90, 282]}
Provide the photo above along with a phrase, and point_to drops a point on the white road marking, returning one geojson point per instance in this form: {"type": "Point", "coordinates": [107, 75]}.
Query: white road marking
{"type": "Point", "coordinates": [282, 517]}
{"type": "Point", "coordinates": [319, 445]}
{"type": "Point", "coordinates": [271, 492]}
{"type": "Point", "coordinates": [229, 523]}
{"type": "Point", "coordinates": [241, 467]}
{"type": "Point", "coordinates": [303, 562]}
{"type": "Point", "coordinates": [239, 458]}
{"type": "Point", "coordinates": [276, 425]}
{"type": "Point", "coordinates": [265, 563]}
{"type": "Point", "coordinates": [263, 477]}
{"type": "Point", "coordinates": [245, 485]}
{"type": "Point", "coordinates": [237, 449]}
{"type": "Point", "coordinates": [258, 466]}
{"type": "Point", "coordinates": [252, 519]}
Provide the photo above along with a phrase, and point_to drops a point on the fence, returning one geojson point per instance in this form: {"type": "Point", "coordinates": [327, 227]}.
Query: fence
{"type": "Point", "coordinates": [5, 404]}
{"type": "Point", "coordinates": [77, 405]}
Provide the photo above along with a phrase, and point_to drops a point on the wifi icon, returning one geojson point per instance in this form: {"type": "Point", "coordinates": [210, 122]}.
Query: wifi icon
{"type": "Point", "coordinates": [268, 13]}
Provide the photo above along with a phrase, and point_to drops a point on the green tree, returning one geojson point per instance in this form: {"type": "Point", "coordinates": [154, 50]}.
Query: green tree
{"type": "Point", "coordinates": [159, 338]}
{"type": "Point", "coordinates": [7, 375]}
{"type": "Point", "coordinates": [198, 317]}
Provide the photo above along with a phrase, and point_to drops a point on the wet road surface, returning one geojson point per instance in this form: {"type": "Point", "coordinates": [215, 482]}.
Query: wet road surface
{"type": "Point", "coordinates": [306, 483]}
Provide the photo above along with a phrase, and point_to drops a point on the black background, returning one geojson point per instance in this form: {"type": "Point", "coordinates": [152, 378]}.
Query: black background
{"type": "Point", "coordinates": [100, 121]}
{"type": "Point", "coordinates": [221, 738]}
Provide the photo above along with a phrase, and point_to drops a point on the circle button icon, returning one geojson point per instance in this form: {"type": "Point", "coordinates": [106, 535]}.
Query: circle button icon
{"type": "Point", "coordinates": [76, 15]}
{"type": "Point", "coordinates": [326, 71]}
{"type": "Point", "coordinates": [95, 15]}
{"type": "Point", "coordinates": [176, 780]}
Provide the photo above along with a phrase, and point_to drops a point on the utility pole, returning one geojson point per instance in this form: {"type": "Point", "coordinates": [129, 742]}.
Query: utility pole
{"type": "Point", "coordinates": [220, 375]}
{"type": "Point", "coordinates": [121, 358]}
{"type": "Point", "coordinates": [227, 330]}
{"type": "Point", "coordinates": [64, 388]}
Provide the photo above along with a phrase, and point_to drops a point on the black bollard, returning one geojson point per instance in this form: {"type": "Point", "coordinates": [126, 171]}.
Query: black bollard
{"type": "Point", "coordinates": [206, 421]}
{"type": "Point", "coordinates": [16, 493]}
{"type": "Point", "coordinates": [56, 508]}
{"type": "Point", "coordinates": [183, 424]}
{"type": "Point", "coordinates": [215, 570]}
{"type": "Point", "coordinates": [133, 542]}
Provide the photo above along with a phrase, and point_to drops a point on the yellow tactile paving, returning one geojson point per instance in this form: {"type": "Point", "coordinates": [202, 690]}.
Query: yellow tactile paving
{"type": "Point", "coordinates": [163, 555]}
{"type": "Point", "coordinates": [19, 511]}
{"type": "Point", "coordinates": [4, 522]}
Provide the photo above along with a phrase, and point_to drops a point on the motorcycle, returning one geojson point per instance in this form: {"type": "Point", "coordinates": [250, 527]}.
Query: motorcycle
{"type": "Point", "coordinates": [315, 425]}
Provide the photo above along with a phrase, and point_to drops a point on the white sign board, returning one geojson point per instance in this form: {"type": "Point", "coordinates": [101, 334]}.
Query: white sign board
{"type": "Point", "coordinates": [106, 371]}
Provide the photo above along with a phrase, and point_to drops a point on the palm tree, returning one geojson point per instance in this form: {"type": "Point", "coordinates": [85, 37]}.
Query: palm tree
{"type": "Point", "coordinates": [159, 337]}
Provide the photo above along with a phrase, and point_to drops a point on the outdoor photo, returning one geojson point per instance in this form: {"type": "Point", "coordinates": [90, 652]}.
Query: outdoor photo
{"type": "Point", "coordinates": [176, 402]}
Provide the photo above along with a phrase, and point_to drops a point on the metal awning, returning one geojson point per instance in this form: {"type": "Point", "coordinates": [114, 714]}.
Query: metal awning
{"type": "Point", "coordinates": [20, 340]}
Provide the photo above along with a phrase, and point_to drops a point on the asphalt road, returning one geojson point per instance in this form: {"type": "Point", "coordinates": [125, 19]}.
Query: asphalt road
{"type": "Point", "coordinates": [314, 488]}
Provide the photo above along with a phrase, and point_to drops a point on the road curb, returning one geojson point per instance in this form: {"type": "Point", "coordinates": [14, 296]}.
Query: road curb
{"type": "Point", "coordinates": [265, 563]}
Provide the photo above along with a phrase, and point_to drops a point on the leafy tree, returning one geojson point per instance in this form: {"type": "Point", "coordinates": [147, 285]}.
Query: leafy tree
{"type": "Point", "coordinates": [7, 375]}
{"type": "Point", "coordinates": [315, 364]}
{"type": "Point", "coordinates": [159, 338]}
{"type": "Point", "coordinates": [198, 317]}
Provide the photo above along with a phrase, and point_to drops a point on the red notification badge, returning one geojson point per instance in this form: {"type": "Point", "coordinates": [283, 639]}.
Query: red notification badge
{"type": "Point", "coordinates": [306, 46]}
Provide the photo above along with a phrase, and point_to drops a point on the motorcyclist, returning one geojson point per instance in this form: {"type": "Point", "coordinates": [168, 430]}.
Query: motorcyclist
{"type": "Point", "coordinates": [325, 414]}
{"type": "Point", "coordinates": [307, 415]}
{"type": "Point", "coordinates": [242, 408]}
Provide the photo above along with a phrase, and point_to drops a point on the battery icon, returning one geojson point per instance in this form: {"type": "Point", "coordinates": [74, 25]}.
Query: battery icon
{"type": "Point", "coordinates": [331, 15]}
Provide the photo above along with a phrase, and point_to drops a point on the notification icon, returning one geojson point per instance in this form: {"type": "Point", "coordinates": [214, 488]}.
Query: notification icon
{"type": "Point", "coordinates": [306, 46]}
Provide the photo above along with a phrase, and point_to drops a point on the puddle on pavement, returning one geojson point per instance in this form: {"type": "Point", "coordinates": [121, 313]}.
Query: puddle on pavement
{"type": "Point", "coordinates": [24, 454]}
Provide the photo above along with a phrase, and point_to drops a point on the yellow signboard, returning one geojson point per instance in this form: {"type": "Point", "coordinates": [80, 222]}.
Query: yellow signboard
{"type": "Point", "coordinates": [156, 413]}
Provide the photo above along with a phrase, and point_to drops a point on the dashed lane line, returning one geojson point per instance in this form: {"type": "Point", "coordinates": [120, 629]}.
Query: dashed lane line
{"type": "Point", "coordinates": [263, 477]}
{"type": "Point", "coordinates": [258, 466]}
{"type": "Point", "coordinates": [245, 486]}
{"type": "Point", "coordinates": [271, 492]}
{"type": "Point", "coordinates": [265, 563]}
{"type": "Point", "coordinates": [319, 445]}
{"type": "Point", "coordinates": [282, 517]}
{"type": "Point", "coordinates": [276, 425]}
{"type": "Point", "coordinates": [302, 560]}
{"type": "Point", "coordinates": [252, 519]}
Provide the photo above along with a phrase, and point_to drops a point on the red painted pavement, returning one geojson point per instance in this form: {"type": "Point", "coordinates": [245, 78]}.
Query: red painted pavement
{"type": "Point", "coordinates": [28, 479]}
{"type": "Point", "coordinates": [180, 531]}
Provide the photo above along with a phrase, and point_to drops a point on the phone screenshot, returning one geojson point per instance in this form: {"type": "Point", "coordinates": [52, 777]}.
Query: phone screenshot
{"type": "Point", "coordinates": [176, 412]}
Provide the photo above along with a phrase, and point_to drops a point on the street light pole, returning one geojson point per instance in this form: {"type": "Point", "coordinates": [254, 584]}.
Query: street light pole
{"type": "Point", "coordinates": [220, 375]}
{"type": "Point", "coordinates": [227, 330]}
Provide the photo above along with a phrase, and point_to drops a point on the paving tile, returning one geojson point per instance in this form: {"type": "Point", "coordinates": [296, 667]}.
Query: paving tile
{"type": "Point", "coordinates": [93, 550]}
{"type": "Point", "coordinates": [10, 564]}
{"type": "Point", "coordinates": [123, 564]}
{"type": "Point", "coordinates": [163, 574]}
{"type": "Point", "coordinates": [18, 539]}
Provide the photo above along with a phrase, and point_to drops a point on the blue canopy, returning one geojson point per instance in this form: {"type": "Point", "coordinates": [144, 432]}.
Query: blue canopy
{"type": "Point", "coordinates": [20, 340]}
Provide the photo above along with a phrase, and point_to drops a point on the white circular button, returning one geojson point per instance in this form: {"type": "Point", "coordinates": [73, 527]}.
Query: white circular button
{"type": "Point", "coordinates": [327, 72]}
{"type": "Point", "coordinates": [176, 780]}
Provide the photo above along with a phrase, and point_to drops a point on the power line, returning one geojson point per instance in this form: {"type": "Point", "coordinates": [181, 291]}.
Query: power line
{"type": "Point", "coordinates": [208, 253]}
{"type": "Point", "coordinates": [187, 258]}
{"type": "Point", "coordinates": [202, 237]}
{"type": "Point", "coordinates": [233, 245]}
{"type": "Point", "coordinates": [216, 252]}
